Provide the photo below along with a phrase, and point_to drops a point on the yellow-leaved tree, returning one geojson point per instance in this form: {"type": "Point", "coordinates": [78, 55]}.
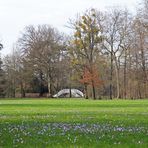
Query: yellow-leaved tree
{"type": "Point", "coordinates": [86, 43]}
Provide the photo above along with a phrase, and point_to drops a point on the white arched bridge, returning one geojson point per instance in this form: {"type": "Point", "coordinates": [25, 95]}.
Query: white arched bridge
{"type": "Point", "coordinates": [74, 93]}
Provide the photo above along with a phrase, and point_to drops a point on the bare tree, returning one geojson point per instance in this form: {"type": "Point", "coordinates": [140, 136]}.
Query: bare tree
{"type": "Point", "coordinates": [42, 46]}
{"type": "Point", "coordinates": [115, 32]}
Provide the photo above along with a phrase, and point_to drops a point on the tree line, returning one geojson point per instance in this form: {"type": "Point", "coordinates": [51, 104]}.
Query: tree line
{"type": "Point", "coordinates": [105, 56]}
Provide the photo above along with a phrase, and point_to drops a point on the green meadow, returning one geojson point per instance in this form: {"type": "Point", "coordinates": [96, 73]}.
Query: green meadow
{"type": "Point", "coordinates": [74, 123]}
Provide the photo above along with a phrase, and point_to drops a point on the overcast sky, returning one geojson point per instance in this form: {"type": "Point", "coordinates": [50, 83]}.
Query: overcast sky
{"type": "Point", "coordinates": [16, 14]}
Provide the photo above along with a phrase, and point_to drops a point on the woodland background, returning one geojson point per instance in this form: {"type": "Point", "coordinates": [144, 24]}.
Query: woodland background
{"type": "Point", "coordinates": [106, 56]}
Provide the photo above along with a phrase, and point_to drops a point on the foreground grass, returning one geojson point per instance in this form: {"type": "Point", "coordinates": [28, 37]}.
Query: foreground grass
{"type": "Point", "coordinates": [73, 123]}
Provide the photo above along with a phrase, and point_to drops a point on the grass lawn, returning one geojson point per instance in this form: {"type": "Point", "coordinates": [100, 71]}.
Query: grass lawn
{"type": "Point", "coordinates": [73, 123]}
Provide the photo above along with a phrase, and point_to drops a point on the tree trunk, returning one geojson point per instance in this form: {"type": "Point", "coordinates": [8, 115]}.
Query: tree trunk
{"type": "Point", "coordinates": [130, 77]}
{"type": "Point", "coordinates": [125, 72]}
{"type": "Point", "coordinates": [13, 89]}
{"type": "Point", "coordinates": [70, 95]}
{"type": "Point", "coordinates": [144, 72]}
{"type": "Point", "coordinates": [118, 84]}
{"type": "Point", "coordinates": [49, 87]}
{"type": "Point", "coordinates": [86, 91]}
{"type": "Point", "coordinates": [93, 90]}
{"type": "Point", "coordinates": [41, 84]}
{"type": "Point", "coordinates": [111, 76]}
{"type": "Point", "coordinates": [117, 78]}
{"type": "Point", "coordinates": [22, 91]}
